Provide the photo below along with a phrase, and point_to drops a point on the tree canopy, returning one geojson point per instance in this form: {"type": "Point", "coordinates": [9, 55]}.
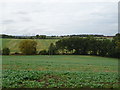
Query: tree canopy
{"type": "Point", "coordinates": [28, 47]}
{"type": "Point", "coordinates": [89, 46]}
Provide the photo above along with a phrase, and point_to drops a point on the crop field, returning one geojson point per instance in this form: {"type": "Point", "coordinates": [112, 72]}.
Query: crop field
{"type": "Point", "coordinates": [59, 71]}
{"type": "Point", "coordinates": [13, 44]}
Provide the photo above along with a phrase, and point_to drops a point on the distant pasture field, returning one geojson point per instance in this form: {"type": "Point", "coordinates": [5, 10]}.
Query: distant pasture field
{"type": "Point", "coordinates": [59, 71]}
{"type": "Point", "coordinates": [13, 44]}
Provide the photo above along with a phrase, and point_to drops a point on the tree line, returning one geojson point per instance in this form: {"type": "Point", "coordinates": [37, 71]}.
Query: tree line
{"type": "Point", "coordinates": [74, 46]}
{"type": "Point", "coordinates": [90, 46]}
{"type": "Point", "coordinates": [49, 37]}
{"type": "Point", "coordinates": [87, 46]}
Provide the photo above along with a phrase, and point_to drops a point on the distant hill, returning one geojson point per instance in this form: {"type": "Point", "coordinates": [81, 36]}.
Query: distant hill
{"type": "Point", "coordinates": [13, 44]}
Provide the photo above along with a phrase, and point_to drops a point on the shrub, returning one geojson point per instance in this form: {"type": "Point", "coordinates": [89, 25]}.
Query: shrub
{"type": "Point", "coordinates": [6, 51]}
{"type": "Point", "coordinates": [0, 52]}
{"type": "Point", "coordinates": [16, 53]}
{"type": "Point", "coordinates": [43, 52]}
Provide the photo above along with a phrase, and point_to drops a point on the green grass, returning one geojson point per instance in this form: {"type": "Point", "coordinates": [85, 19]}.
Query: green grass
{"type": "Point", "coordinates": [59, 71]}
{"type": "Point", "coordinates": [13, 44]}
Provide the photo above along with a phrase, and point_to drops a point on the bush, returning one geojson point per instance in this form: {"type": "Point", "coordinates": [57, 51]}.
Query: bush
{"type": "Point", "coordinates": [0, 52]}
{"type": "Point", "coordinates": [43, 52]}
{"type": "Point", "coordinates": [6, 51]}
{"type": "Point", "coordinates": [16, 53]}
{"type": "Point", "coordinates": [28, 47]}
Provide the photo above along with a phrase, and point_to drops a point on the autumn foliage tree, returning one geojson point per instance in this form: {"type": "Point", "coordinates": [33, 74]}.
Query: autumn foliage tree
{"type": "Point", "coordinates": [28, 47]}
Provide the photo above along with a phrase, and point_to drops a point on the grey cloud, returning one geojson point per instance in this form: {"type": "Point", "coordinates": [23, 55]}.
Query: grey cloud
{"type": "Point", "coordinates": [21, 12]}
{"type": "Point", "coordinates": [64, 18]}
{"type": "Point", "coordinates": [7, 22]}
{"type": "Point", "coordinates": [25, 19]}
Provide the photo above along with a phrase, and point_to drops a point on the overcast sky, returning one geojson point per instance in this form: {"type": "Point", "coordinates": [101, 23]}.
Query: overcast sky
{"type": "Point", "coordinates": [53, 17]}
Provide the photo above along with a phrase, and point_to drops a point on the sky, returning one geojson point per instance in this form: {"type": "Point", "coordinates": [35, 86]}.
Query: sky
{"type": "Point", "coordinates": [58, 17]}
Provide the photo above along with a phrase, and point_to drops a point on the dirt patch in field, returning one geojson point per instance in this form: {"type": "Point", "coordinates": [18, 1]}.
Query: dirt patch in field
{"type": "Point", "coordinates": [109, 83]}
{"type": "Point", "coordinates": [110, 71]}
{"type": "Point", "coordinates": [16, 66]}
{"type": "Point", "coordinates": [47, 77]}
{"type": "Point", "coordinates": [41, 69]}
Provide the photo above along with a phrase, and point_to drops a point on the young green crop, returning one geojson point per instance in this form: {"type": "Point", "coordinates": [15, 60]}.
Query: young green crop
{"type": "Point", "coordinates": [59, 72]}
{"type": "Point", "coordinates": [49, 79]}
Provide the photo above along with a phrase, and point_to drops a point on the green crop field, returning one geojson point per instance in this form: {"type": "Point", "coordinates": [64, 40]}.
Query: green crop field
{"type": "Point", "coordinates": [59, 71]}
{"type": "Point", "coordinates": [13, 44]}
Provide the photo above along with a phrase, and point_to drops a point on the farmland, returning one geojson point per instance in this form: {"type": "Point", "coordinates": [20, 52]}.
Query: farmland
{"type": "Point", "coordinates": [59, 71]}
